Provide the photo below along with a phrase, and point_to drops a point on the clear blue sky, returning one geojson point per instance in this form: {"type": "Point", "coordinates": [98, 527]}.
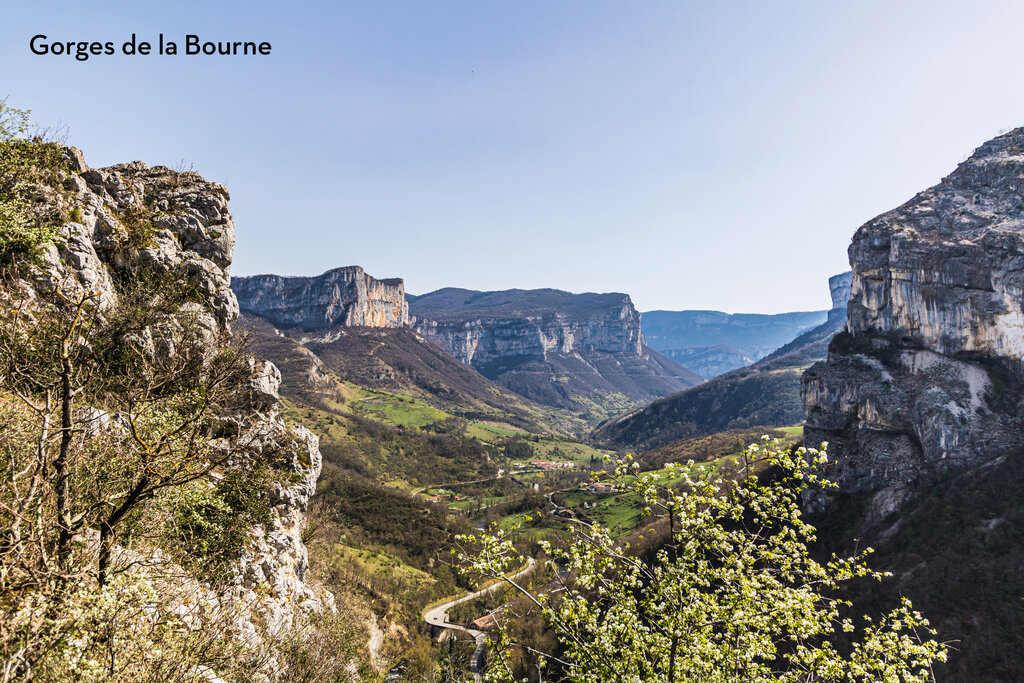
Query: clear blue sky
{"type": "Point", "coordinates": [694, 155]}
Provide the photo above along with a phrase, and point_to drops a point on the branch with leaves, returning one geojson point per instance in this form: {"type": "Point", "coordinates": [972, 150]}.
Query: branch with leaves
{"type": "Point", "coordinates": [733, 592]}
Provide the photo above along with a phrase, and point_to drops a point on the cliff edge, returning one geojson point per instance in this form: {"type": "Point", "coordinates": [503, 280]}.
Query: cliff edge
{"type": "Point", "coordinates": [926, 379]}
{"type": "Point", "coordinates": [342, 296]}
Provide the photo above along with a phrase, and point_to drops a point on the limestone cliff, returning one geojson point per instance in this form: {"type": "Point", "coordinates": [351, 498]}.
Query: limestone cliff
{"type": "Point", "coordinates": [926, 378]}
{"type": "Point", "coordinates": [556, 348]}
{"type": "Point", "coordinates": [342, 296]}
{"type": "Point", "coordinates": [839, 287]}
{"type": "Point", "coordinates": [495, 341]}
{"type": "Point", "coordinates": [133, 222]}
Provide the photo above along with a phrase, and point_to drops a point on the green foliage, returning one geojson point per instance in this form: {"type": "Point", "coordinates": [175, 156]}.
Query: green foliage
{"type": "Point", "coordinates": [380, 518]}
{"type": "Point", "coordinates": [518, 450]}
{"type": "Point", "coordinates": [28, 165]}
{"type": "Point", "coordinates": [211, 521]}
{"type": "Point", "coordinates": [138, 224]}
{"type": "Point", "coordinates": [116, 429]}
{"type": "Point", "coordinates": [733, 593]}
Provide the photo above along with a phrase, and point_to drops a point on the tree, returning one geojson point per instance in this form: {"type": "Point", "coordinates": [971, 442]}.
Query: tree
{"type": "Point", "coordinates": [732, 593]}
{"type": "Point", "coordinates": [120, 405]}
{"type": "Point", "coordinates": [141, 448]}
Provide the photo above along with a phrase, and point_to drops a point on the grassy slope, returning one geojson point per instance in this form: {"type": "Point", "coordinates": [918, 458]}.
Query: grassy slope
{"type": "Point", "coordinates": [396, 361]}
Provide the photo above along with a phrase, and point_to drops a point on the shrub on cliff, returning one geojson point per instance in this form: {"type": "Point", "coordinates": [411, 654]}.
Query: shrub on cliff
{"type": "Point", "coordinates": [28, 161]}
{"type": "Point", "coordinates": [110, 420]}
{"type": "Point", "coordinates": [732, 595]}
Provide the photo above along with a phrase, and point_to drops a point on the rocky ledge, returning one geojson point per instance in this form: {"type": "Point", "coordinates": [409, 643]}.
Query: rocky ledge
{"type": "Point", "coordinates": [926, 378]}
{"type": "Point", "coordinates": [132, 221]}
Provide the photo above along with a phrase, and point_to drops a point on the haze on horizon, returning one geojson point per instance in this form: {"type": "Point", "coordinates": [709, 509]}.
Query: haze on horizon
{"type": "Point", "coordinates": [693, 155]}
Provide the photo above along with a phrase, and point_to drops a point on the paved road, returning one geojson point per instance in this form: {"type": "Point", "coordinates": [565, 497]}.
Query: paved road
{"type": "Point", "coordinates": [438, 616]}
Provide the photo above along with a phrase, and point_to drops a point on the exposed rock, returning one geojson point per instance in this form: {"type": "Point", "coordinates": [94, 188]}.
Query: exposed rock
{"type": "Point", "coordinates": [839, 287]}
{"type": "Point", "coordinates": [927, 377]}
{"type": "Point", "coordinates": [136, 222]}
{"type": "Point", "coordinates": [340, 297]}
{"type": "Point", "coordinates": [134, 219]}
{"type": "Point", "coordinates": [272, 570]}
{"type": "Point", "coordinates": [553, 347]}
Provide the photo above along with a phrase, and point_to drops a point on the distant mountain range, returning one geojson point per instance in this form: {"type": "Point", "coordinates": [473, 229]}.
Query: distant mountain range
{"type": "Point", "coordinates": [583, 353]}
{"type": "Point", "coordinates": [765, 394]}
{"type": "Point", "coordinates": [712, 343]}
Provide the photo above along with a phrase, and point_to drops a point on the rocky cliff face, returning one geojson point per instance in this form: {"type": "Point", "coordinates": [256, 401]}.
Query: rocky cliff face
{"type": "Point", "coordinates": [494, 343]}
{"type": "Point", "coordinates": [136, 222]}
{"type": "Point", "coordinates": [550, 346]}
{"type": "Point", "coordinates": [926, 379]}
{"type": "Point", "coordinates": [839, 287]}
{"type": "Point", "coordinates": [340, 297]}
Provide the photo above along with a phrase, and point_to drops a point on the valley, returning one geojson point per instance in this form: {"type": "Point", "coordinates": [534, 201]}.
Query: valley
{"type": "Point", "coordinates": [321, 450]}
{"type": "Point", "coordinates": [471, 410]}
{"type": "Point", "coordinates": [459, 411]}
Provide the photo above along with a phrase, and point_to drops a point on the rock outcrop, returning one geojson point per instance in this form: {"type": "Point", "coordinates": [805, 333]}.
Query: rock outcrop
{"type": "Point", "coordinates": [134, 223]}
{"type": "Point", "coordinates": [340, 297]}
{"type": "Point", "coordinates": [839, 287]}
{"type": "Point", "coordinates": [926, 378]}
{"type": "Point", "coordinates": [553, 347]}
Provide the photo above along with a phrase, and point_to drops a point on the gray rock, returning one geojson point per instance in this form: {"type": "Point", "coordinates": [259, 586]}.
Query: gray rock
{"type": "Point", "coordinates": [926, 378]}
{"type": "Point", "coordinates": [550, 346]}
{"type": "Point", "coordinates": [192, 238]}
{"type": "Point", "coordinates": [340, 297]}
{"type": "Point", "coordinates": [839, 287]}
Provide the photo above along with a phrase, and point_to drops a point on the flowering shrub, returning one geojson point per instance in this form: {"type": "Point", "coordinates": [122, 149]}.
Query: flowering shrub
{"type": "Point", "coordinates": [732, 594]}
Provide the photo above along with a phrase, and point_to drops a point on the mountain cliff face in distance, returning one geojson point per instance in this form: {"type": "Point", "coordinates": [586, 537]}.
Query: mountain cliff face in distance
{"type": "Point", "coordinates": [581, 352]}
{"type": "Point", "coordinates": [766, 393]}
{"type": "Point", "coordinates": [343, 296]}
{"type": "Point", "coordinates": [921, 403]}
{"type": "Point", "coordinates": [349, 326]}
{"type": "Point", "coordinates": [712, 343]}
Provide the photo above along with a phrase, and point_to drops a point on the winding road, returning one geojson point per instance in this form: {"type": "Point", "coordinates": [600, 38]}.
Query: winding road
{"type": "Point", "coordinates": [437, 617]}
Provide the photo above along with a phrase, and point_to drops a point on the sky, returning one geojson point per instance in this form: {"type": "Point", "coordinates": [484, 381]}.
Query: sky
{"type": "Point", "coordinates": [695, 155]}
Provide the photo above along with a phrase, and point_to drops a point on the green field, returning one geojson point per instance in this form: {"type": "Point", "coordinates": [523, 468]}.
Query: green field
{"type": "Point", "coordinates": [491, 432]}
{"type": "Point", "coordinates": [620, 512]}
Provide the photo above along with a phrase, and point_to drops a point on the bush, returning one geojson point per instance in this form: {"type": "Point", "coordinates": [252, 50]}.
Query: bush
{"type": "Point", "coordinates": [212, 521]}
{"type": "Point", "coordinates": [26, 163]}
{"type": "Point", "coordinates": [733, 593]}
